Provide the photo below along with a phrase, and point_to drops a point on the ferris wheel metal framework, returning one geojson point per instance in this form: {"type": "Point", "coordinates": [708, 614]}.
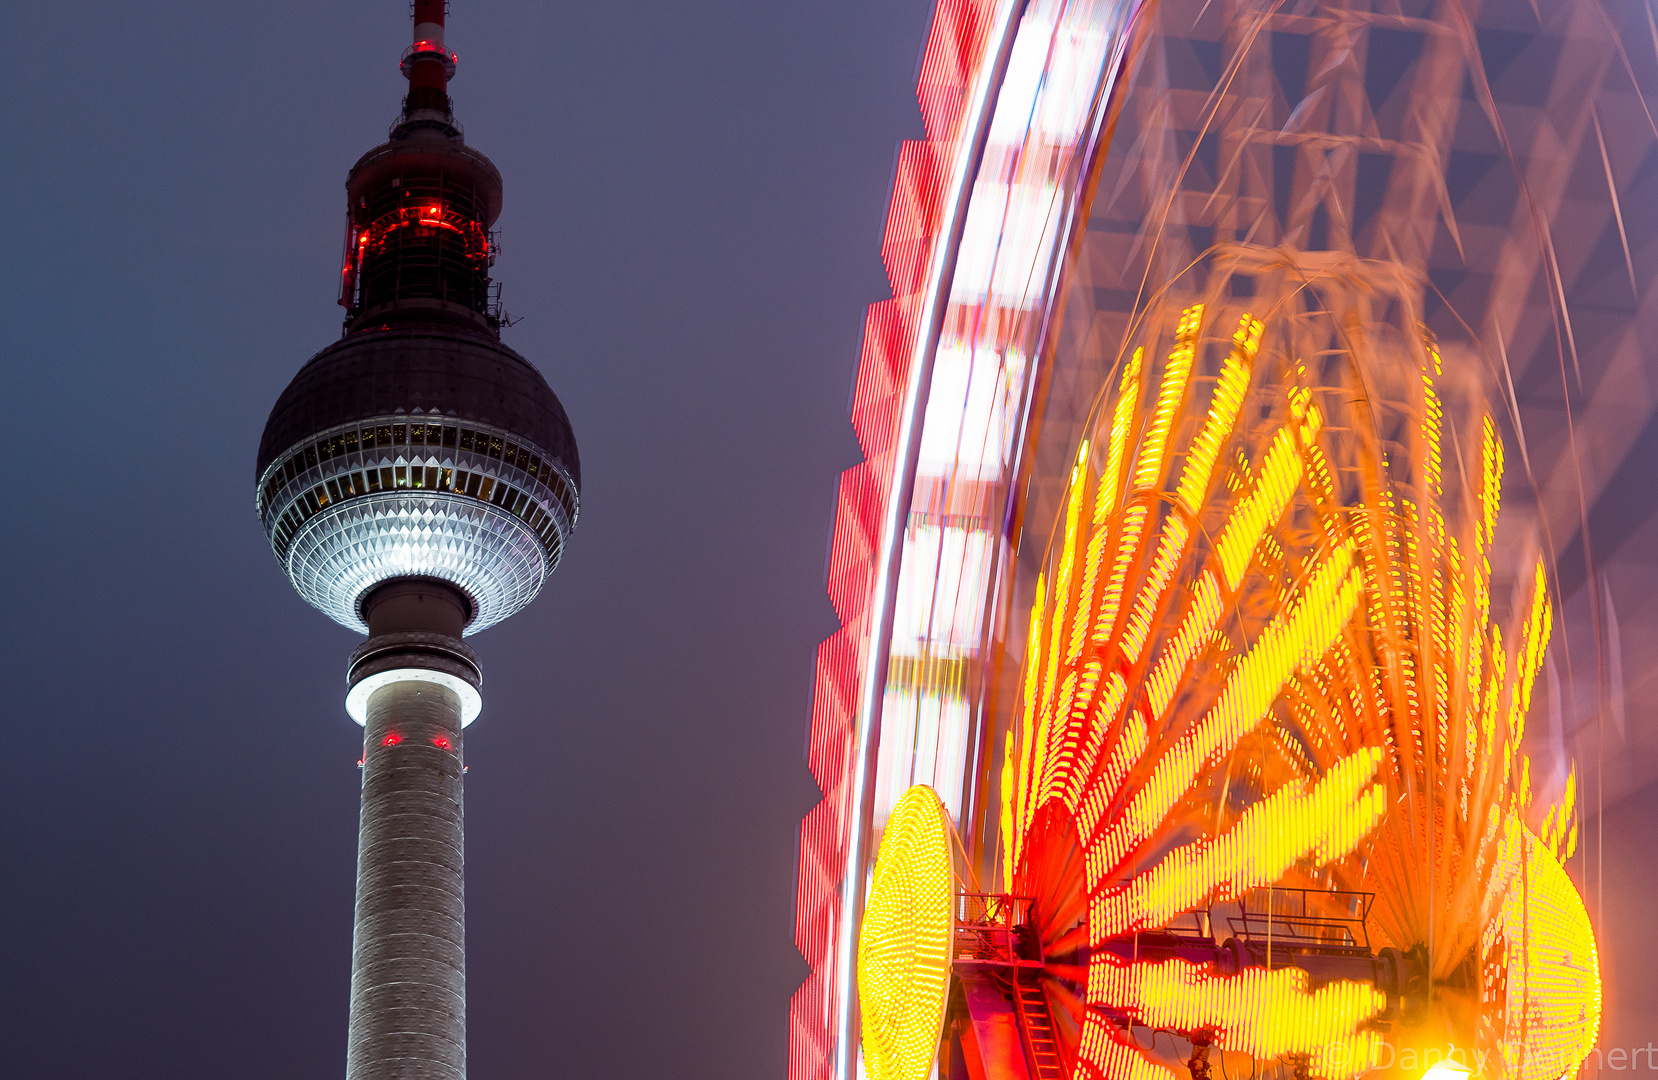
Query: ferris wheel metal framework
{"type": "Point", "coordinates": [987, 216]}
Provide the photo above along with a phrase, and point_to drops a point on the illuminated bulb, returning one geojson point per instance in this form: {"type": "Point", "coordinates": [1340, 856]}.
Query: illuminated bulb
{"type": "Point", "coordinates": [1445, 1069]}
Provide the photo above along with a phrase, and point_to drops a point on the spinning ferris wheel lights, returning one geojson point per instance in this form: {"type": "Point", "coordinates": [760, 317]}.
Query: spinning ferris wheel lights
{"type": "Point", "coordinates": [1268, 659]}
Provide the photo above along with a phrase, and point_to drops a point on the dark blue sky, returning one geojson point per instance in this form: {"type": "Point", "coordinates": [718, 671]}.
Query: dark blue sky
{"type": "Point", "coordinates": [694, 201]}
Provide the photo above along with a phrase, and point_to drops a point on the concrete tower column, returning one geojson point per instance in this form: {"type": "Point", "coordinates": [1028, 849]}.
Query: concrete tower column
{"type": "Point", "coordinates": [415, 685]}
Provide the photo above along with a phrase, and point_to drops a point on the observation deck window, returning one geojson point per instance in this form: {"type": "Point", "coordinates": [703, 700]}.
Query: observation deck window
{"type": "Point", "coordinates": [423, 473]}
{"type": "Point", "coordinates": [476, 485]}
{"type": "Point", "coordinates": [435, 435]}
{"type": "Point", "coordinates": [421, 434]}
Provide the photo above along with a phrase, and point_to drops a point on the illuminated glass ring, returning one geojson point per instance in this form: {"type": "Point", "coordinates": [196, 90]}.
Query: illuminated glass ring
{"type": "Point", "coordinates": [904, 946]}
{"type": "Point", "coordinates": [418, 451]}
{"type": "Point", "coordinates": [364, 514]}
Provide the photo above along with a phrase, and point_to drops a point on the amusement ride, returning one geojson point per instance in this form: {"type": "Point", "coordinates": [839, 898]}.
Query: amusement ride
{"type": "Point", "coordinates": [1201, 587]}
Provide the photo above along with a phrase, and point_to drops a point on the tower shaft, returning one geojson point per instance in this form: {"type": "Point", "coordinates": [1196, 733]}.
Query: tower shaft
{"type": "Point", "coordinates": [408, 961]}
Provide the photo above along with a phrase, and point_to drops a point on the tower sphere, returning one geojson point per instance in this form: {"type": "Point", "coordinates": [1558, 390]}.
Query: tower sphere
{"type": "Point", "coordinates": [418, 445]}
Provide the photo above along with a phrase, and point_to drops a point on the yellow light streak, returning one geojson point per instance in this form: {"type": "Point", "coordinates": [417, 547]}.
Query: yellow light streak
{"type": "Point", "coordinates": [1267, 840]}
{"type": "Point", "coordinates": [1158, 578]}
{"type": "Point", "coordinates": [1169, 397]}
{"type": "Point", "coordinates": [1280, 473]}
{"type": "Point", "coordinates": [1122, 419]}
{"type": "Point", "coordinates": [1105, 620]}
{"type": "Point", "coordinates": [1545, 951]}
{"type": "Point", "coordinates": [1194, 634]}
{"type": "Point", "coordinates": [1223, 413]}
{"type": "Point", "coordinates": [1288, 643]}
{"type": "Point", "coordinates": [1103, 1054]}
{"type": "Point", "coordinates": [1258, 1012]}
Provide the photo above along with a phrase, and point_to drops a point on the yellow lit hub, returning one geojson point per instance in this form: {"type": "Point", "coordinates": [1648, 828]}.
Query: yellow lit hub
{"type": "Point", "coordinates": [904, 945]}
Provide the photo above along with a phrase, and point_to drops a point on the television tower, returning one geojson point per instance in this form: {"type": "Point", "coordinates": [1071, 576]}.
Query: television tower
{"type": "Point", "coordinates": [418, 481]}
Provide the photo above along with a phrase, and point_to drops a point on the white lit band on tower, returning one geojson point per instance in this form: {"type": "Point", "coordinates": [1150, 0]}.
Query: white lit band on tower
{"type": "Point", "coordinates": [418, 480]}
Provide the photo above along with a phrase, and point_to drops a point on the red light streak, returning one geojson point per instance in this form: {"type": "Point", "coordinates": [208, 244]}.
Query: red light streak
{"type": "Point", "coordinates": [955, 46]}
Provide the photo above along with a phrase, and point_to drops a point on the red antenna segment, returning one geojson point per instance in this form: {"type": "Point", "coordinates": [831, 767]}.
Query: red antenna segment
{"type": "Point", "coordinates": [428, 20]}
{"type": "Point", "coordinates": [427, 64]}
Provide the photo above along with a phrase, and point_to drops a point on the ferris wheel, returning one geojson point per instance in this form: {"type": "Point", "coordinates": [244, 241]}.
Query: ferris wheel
{"type": "Point", "coordinates": [1178, 720]}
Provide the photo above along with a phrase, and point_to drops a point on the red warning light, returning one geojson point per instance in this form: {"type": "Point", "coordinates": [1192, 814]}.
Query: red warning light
{"type": "Point", "coordinates": [392, 739]}
{"type": "Point", "coordinates": [441, 742]}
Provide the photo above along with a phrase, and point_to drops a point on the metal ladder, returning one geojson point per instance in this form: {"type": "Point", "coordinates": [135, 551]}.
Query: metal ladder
{"type": "Point", "coordinates": [1037, 1025]}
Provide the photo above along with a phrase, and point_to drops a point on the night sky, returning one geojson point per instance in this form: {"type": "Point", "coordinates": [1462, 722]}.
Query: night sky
{"type": "Point", "coordinates": [694, 201]}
